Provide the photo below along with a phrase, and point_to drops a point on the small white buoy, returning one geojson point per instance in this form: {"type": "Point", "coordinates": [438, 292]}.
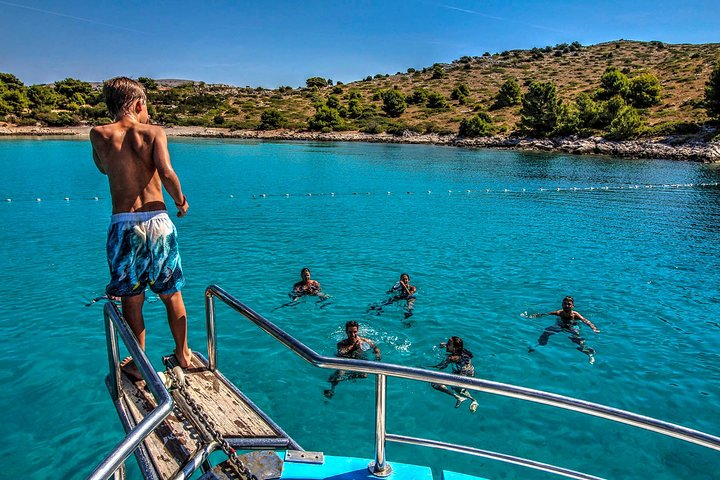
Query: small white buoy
{"type": "Point", "coordinates": [67, 199]}
{"type": "Point", "coordinates": [232, 196]}
{"type": "Point", "coordinates": [429, 191]}
{"type": "Point", "coordinates": [309, 194]}
{"type": "Point", "coordinates": [449, 191]}
{"type": "Point", "coordinates": [506, 190]}
{"type": "Point", "coordinates": [263, 195]}
{"type": "Point", "coordinates": [389, 193]}
{"type": "Point", "coordinates": [38, 199]}
{"type": "Point", "coordinates": [332, 194]}
{"type": "Point", "coordinates": [467, 191]}
{"type": "Point", "coordinates": [8, 200]}
{"type": "Point", "coordinates": [523, 189]}
{"type": "Point", "coordinates": [95, 198]}
{"type": "Point", "coordinates": [287, 194]}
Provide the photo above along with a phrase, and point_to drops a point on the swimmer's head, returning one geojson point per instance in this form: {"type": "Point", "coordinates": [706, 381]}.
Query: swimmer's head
{"type": "Point", "coordinates": [404, 277]}
{"type": "Point", "coordinates": [568, 303]}
{"type": "Point", "coordinates": [351, 328]}
{"type": "Point", "coordinates": [454, 344]}
{"type": "Point", "coordinates": [305, 273]}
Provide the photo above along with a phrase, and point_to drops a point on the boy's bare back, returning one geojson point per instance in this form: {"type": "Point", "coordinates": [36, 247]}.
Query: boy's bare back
{"type": "Point", "coordinates": [134, 156]}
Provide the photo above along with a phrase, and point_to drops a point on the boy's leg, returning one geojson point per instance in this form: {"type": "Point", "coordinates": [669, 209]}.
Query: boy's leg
{"type": "Point", "coordinates": [177, 319]}
{"type": "Point", "coordinates": [132, 311]}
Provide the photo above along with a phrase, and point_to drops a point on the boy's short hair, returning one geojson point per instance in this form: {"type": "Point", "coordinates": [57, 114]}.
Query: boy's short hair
{"type": "Point", "coordinates": [120, 92]}
{"type": "Point", "coordinates": [568, 299]}
{"type": "Point", "coordinates": [349, 324]}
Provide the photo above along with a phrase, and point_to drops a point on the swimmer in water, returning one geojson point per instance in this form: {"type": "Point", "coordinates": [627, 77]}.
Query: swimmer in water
{"type": "Point", "coordinates": [461, 361]}
{"type": "Point", "coordinates": [402, 290]}
{"type": "Point", "coordinates": [307, 286]}
{"type": "Point", "coordinates": [354, 346]}
{"type": "Point", "coordinates": [567, 322]}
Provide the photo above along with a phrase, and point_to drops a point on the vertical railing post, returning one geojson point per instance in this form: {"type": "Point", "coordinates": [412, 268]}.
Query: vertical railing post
{"type": "Point", "coordinates": [210, 325]}
{"type": "Point", "coordinates": [113, 357]}
{"type": "Point", "coordinates": [380, 468]}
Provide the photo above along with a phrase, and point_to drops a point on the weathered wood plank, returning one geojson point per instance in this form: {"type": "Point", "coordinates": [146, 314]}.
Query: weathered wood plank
{"type": "Point", "coordinates": [176, 440]}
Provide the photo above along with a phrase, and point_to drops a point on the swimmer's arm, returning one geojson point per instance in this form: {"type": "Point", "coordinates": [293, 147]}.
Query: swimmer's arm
{"type": "Point", "coordinates": [96, 157]}
{"type": "Point", "coordinates": [374, 347]}
{"type": "Point", "coordinates": [586, 322]}
{"type": "Point", "coordinates": [168, 177]}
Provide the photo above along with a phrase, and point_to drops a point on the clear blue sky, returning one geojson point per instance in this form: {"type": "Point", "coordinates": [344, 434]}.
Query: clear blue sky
{"type": "Point", "coordinates": [275, 43]}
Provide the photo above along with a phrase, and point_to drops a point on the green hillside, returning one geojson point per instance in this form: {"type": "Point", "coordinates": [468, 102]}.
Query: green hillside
{"type": "Point", "coordinates": [653, 89]}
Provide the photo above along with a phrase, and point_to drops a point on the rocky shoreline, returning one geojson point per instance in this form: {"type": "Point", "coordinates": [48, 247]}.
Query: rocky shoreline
{"type": "Point", "coordinates": [677, 148]}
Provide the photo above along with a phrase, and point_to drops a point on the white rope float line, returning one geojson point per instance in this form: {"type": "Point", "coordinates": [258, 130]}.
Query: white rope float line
{"type": "Point", "coordinates": [667, 186]}
{"type": "Point", "coordinates": [488, 190]}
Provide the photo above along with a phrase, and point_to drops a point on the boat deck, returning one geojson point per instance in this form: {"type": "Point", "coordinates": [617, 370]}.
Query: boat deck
{"type": "Point", "coordinates": [177, 440]}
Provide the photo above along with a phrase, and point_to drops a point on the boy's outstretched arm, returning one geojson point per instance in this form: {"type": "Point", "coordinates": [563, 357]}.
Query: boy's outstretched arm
{"type": "Point", "coordinates": [587, 322]}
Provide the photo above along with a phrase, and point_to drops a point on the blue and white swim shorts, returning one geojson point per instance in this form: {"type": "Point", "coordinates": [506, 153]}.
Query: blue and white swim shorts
{"type": "Point", "coordinates": [142, 250]}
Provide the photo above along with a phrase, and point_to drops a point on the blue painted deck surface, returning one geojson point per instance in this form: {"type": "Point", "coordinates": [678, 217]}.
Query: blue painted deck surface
{"type": "Point", "coordinates": [447, 475]}
{"type": "Point", "coordinates": [349, 468]}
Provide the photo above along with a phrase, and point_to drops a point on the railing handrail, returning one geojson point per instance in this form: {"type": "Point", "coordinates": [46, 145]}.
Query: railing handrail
{"type": "Point", "coordinates": [113, 320]}
{"type": "Point", "coordinates": [497, 388]}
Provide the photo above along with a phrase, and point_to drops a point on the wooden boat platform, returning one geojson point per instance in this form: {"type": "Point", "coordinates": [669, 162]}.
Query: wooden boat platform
{"type": "Point", "coordinates": [176, 441]}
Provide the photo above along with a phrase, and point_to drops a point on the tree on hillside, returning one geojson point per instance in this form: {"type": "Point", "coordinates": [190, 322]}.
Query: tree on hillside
{"type": "Point", "coordinates": [508, 95]}
{"type": "Point", "coordinates": [148, 83]}
{"type": "Point", "coordinates": [393, 103]}
{"type": "Point", "coordinates": [627, 124]}
{"type": "Point", "coordinates": [479, 125]}
{"type": "Point", "coordinates": [271, 119]}
{"type": "Point", "coordinates": [644, 90]}
{"type": "Point", "coordinates": [436, 100]}
{"type": "Point", "coordinates": [43, 97]}
{"type": "Point", "coordinates": [540, 109]}
{"type": "Point", "coordinates": [418, 97]}
{"type": "Point", "coordinates": [588, 111]}
{"type": "Point", "coordinates": [438, 71]}
{"type": "Point", "coordinates": [13, 95]}
{"type": "Point", "coordinates": [613, 82]}
{"type": "Point", "coordinates": [712, 92]}
{"type": "Point", "coordinates": [317, 82]}
{"type": "Point", "coordinates": [461, 92]}
{"type": "Point", "coordinates": [325, 119]}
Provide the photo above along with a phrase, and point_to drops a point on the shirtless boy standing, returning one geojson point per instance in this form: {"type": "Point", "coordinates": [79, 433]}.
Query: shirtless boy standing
{"type": "Point", "coordinates": [142, 246]}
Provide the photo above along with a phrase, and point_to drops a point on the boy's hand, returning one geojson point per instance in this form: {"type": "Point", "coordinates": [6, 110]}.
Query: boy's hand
{"type": "Point", "coordinates": [182, 207]}
{"type": "Point", "coordinates": [596, 330]}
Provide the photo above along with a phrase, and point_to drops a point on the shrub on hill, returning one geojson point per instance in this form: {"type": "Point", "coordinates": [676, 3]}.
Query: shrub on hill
{"type": "Point", "coordinates": [508, 95]}
{"type": "Point", "coordinates": [613, 82]}
{"type": "Point", "coordinates": [626, 125]}
{"type": "Point", "coordinates": [325, 118]}
{"type": "Point", "coordinates": [271, 119]}
{"type": "Point", "coordinates": [540, 109]}
{"type": "Point", "coordinates": [393, 103]}
{"type": "Point", "coordinates": [479, 125]}
{"type": "Point", "coordinates": [436, 101]}
{"type": "Point", "coordinates": [316, 82]}
{"type": "Point", "coordinates": [712, 92]}
{"type": "Point", "coordinates": [644, 90]}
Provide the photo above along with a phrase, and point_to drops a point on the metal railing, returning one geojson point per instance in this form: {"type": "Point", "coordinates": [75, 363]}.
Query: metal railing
{"type": "Point", "coordinates": [115, 324]}
{"type": "Point", "coordinates": [380, 467]}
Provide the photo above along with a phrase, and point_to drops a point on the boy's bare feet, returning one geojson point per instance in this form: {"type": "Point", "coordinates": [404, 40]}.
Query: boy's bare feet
{"type": "Point", "coordinates": [184, 359]}
{"type": "Point", "coordinates": [129, 368]}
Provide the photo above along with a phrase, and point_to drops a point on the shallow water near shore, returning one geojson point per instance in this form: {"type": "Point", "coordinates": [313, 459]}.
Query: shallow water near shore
{"type": "Point", "coordinates": [484, 235]}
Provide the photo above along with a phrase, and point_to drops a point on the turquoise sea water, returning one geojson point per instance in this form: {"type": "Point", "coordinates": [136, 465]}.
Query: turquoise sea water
{"type": "Point", "coordinates": [634, 241]}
